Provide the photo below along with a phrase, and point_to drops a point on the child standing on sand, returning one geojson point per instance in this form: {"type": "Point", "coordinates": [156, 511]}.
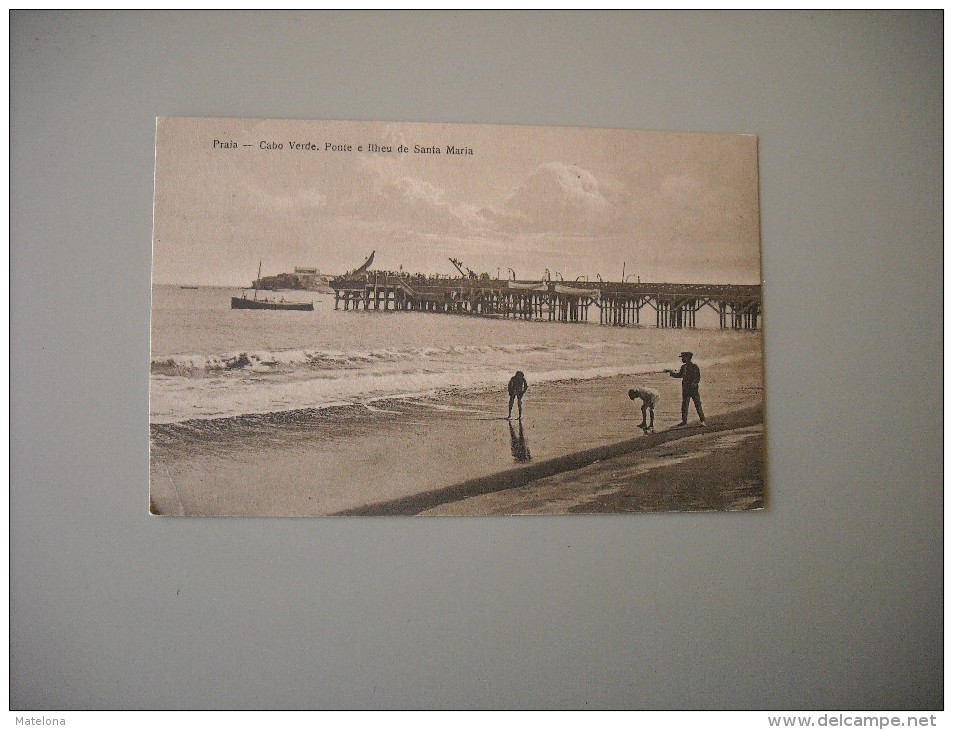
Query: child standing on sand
{"type": "Point", "coordinates": [517, 388]}
{"type": "Point", "coordinates": [649, 399]}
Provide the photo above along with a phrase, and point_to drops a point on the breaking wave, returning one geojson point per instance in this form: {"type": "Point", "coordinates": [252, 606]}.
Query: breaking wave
{"type": "Point", "coordinates": [289, 360]}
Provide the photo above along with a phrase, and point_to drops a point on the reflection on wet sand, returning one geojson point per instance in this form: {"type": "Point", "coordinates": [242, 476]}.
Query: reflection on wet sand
{"type": "Point", "coordinates": [518, 445]}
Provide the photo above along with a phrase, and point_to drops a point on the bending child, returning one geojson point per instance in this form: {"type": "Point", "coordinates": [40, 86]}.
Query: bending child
{"type": "Point", "coordinates": [649, 399]}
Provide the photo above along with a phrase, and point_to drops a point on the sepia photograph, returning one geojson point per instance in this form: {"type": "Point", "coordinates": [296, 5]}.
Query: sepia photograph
{"type": "Point", "coordinates": [370, 318]}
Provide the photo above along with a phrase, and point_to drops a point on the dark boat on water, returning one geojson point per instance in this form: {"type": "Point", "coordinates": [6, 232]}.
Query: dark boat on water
{"type": "Point", "coordinates": [243, 302]}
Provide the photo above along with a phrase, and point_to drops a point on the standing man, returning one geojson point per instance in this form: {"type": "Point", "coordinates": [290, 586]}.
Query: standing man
{"type": "Point", "coordinates": [691, 376]}
{"type": "Point", "coordinates": [517, 388]}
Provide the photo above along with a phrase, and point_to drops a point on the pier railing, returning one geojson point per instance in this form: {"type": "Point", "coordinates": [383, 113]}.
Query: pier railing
{"type": "Point", "coordinates": [738, 306]}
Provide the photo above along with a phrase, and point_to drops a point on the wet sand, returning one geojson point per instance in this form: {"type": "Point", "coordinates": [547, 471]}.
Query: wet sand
{"type": "Point", "coordinates": [379, 458]}
{"type": "Point", "coordinates": [702, 470]}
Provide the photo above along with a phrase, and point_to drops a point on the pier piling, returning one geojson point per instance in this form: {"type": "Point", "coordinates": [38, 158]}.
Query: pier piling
{"type": "Point", "coordinates": [619, 304]}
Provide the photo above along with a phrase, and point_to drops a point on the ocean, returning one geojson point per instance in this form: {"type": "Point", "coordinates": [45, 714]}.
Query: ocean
{"type": "Point", "coordinates": [210, 362]}
{"type": "Point", "coordinates": [257, 412]}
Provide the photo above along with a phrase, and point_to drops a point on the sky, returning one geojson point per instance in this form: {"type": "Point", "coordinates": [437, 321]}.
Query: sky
{"type": "Point", "coordinates": [580, 203]}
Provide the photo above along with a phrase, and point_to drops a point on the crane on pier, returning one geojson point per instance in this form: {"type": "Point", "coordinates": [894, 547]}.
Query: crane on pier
{"type": "Point", "coordinates": [363, 267]}
{"type": "Point", "coordinates": [469, 273]}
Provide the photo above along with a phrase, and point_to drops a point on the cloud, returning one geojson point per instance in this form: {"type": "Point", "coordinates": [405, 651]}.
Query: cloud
{"type": "Point", "coordinates": [415, 204]}
{"type": "Point", "coordinates": [556, 199]}
{"type": "Point", "coordinates": [300, 201]}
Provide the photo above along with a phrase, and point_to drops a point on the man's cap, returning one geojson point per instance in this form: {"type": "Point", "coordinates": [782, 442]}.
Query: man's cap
{"type": "Point", "coordinates": [687, 354]}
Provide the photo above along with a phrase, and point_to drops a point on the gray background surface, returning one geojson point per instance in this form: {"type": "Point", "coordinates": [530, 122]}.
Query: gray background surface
{"type": "Point", "coordinates": [830, 598]}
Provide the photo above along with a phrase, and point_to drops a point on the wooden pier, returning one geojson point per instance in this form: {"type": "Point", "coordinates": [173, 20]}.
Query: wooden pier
{"type": "Point", "coordinates": [614, 303]}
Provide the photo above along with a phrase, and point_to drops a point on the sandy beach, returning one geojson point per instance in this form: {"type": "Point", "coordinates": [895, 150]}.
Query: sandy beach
{"type": "Point", "coordinates": [694, 470]}
{"type": "Point", "coordinates": [577, 449]}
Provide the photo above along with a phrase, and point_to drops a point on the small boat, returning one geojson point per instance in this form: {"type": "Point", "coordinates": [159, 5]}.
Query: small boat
{"type": "Point", "coordinates": [244, 302]}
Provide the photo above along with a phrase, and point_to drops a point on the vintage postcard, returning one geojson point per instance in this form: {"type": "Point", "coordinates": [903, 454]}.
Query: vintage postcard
{"type": "Point", "coordinates": [365, 318]}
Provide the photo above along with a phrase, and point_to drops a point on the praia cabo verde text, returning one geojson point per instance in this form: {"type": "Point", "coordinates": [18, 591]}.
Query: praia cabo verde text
{"type": "Point", "coordinates": [292, 146]}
